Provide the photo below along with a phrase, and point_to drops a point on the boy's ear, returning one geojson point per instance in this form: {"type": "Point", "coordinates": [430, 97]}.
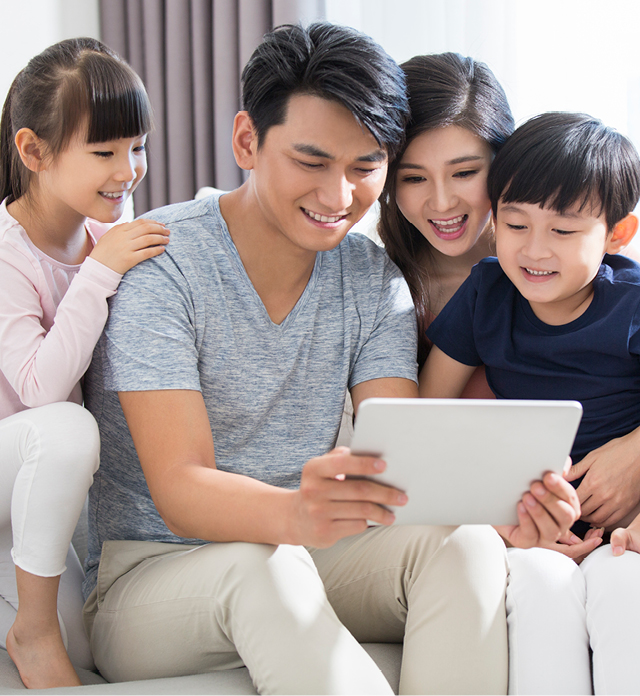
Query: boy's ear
{"type": "Point", "coordinates": [244, 140]}
{"type": "Point", "coordinates": [31, 149]}
{"type": "Point", "coordinates": [622, 234]}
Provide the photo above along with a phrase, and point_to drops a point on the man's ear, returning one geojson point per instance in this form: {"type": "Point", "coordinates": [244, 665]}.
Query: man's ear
{"type": "Point", "coordinates": [622, 234]}
{"type": "Point", "coordinates": [31, 149]}
{"type": "Point", "coordinates": [244, 140]}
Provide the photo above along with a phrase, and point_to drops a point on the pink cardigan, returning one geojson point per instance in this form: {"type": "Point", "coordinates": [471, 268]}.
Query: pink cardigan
{"type": "Point", "coordinates": [51, 316]}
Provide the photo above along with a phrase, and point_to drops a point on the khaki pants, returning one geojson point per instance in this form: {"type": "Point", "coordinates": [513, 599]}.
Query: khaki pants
{"type": "Point", "coordinates": [165, 610]}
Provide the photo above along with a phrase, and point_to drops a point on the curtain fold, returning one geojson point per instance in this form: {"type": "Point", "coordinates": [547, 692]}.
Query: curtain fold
{"type": "Point", "coordinates": [190, 55]}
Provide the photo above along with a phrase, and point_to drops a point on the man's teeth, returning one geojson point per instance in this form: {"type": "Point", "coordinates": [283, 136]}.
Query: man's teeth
{"type": "Point", "coordinates": [449, 225]}
{"type": "Point", "coordinates": [323, 218]}
{"type": "Point", "coordinates": [539, 273]}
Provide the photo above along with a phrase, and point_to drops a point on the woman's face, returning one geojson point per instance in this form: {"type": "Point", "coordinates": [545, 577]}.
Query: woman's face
{"type": "Point", "coordinates": [441, 187]}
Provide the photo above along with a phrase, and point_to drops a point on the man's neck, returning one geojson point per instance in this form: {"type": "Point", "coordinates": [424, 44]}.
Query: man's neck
{"type": "Point", "coordinates": [277, 268]}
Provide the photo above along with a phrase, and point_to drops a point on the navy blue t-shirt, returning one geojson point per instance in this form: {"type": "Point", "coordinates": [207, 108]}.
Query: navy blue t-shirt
{"type": "Point", "coordinates": [594, 359]}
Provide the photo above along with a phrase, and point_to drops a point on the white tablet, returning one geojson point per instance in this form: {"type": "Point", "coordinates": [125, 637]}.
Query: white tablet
{"type": "Point", "coordinates": [464, 461]}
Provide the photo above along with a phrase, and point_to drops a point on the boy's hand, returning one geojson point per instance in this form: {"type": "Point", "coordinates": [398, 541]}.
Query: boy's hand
{"type": "Point", "coordinates": [610, 489]}
{"type": "Point", "coordinates": [124, 246]}
{"type": "Point", "coordinates": [545, 513]}
{"type": "Point", "coordinates": [576, 548]}
{"type": "Point", "coordinates": [330, 505]}
{"type": "Point", "coordinates": [626, 539]}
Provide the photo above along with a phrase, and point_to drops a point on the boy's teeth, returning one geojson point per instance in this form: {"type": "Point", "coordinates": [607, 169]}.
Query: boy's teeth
{"type": "Point", "coordinates": [539, 273]}
{"type": "Point", "coordinates": [322, 218]}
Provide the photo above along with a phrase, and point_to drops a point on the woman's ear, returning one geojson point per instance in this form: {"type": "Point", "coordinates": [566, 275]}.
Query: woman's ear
{"type": "Point", "coordinates": [31, 149]}
{"type": "Point", "coordinates": [622, 234]}
{"type": "Point", "coordinates": [244, 140]}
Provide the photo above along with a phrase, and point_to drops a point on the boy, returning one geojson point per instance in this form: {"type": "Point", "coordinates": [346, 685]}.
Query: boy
{"type": "Point", "coordinates": [557, 316]}
{"type": "Point", "coordinates": [247, 337]}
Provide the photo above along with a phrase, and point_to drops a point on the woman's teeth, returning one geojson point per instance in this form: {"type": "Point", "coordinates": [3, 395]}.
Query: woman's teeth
{"type": "Point", "coordinates": [448, 226]}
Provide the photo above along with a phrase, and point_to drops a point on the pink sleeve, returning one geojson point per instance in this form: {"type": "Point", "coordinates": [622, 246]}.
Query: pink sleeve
{"type": "Point", "coordinates": [43, 367]}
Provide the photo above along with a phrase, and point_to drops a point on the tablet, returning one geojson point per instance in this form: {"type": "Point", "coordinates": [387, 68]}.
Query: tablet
{"type": "Point", "coordinates": [464, 461]}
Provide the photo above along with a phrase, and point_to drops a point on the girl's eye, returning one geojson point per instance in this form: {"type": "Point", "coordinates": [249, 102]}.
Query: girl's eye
{"type": "Point", "coordinates": [465, 174]}
{"type": "Point", "coordinates": [140, 148]}
{"type": "Point", "coordinates": [103, 153]}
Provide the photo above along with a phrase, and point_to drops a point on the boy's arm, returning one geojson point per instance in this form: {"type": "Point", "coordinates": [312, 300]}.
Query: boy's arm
{"type": "Point", "coordinates": [443, 377]}
{"type": "Point", "coordinates": [172, 435]}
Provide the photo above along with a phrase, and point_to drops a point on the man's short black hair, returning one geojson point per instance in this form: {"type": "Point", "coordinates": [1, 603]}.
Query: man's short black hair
{"type": "Point", "coordinates": [332, 62]}
{"type": "Point", "coordinates": [560, 160]}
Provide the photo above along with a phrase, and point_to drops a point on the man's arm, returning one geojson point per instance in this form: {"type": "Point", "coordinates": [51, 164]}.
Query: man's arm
{"type": "Point", "coordinates": [172, 435]}
{"type": "Point", "coordinates": [391, 387]}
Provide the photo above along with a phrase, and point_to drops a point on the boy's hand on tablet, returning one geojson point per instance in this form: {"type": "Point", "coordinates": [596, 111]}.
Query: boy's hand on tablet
{"type": "Point", "coordinates": [545, 513]}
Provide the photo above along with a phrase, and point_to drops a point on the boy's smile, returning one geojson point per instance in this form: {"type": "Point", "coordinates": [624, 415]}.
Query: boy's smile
{"type": "Point", "coordinates": [551, 257]}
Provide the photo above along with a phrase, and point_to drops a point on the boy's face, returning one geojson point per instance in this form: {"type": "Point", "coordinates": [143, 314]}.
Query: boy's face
{"type": "Point", "coordinates": [551, 258]}
{"type": "Point", "coordinates": [316, 174]}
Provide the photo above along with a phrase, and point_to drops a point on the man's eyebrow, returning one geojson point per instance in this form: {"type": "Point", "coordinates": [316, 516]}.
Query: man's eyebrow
{"type": "Point", "coordinates": [313, 151]}
{"type": "Point", "coordinates": [456, 160]}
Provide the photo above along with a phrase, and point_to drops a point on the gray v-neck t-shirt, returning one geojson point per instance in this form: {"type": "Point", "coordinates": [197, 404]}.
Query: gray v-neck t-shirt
{"type": "Point", "coordinates": [191, 319]}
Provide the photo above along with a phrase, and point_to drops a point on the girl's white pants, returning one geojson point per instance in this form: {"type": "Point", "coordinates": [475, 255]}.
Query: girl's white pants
{"type": "Point", "coordinates": [557, 611]}
{"type": "Point", "coordinates": [48, 456]}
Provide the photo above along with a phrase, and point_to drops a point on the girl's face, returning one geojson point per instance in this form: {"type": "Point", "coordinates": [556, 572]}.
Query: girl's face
{"type": "Point", "coordinates": [441, 187]}
{"type": "Point", "coordinates": [95, 179]}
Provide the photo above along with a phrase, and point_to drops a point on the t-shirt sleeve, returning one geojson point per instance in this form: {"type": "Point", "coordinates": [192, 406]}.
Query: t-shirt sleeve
{"type": "Point", "coordinates": [452, 330]}
{"type": "Point", "coordinates": [150, 340]}
{"type": "Point", "coordinates": [391, 346]}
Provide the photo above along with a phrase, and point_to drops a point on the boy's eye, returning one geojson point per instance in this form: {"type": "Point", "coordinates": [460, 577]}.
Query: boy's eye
{"type": "Point", "coordinates": [516, 227]}
{"type": "Point", "coordinates": [563, 232]}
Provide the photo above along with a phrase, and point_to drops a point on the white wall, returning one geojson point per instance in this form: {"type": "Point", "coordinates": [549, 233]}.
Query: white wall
{"type": "Point", "coordinates": [29, 26]}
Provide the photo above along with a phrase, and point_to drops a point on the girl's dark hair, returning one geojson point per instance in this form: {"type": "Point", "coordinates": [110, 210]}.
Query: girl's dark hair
{"type": "Point", "coordinates": [332, 62]}
{"type": "Point", "coordinates": [71, 83]}
{"type": "Point", "coordinates": [560, 160]}
{"type": "Point", "coordinates": [445, 89]}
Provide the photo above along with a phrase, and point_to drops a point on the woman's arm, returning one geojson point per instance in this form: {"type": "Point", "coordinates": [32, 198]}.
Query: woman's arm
{"type": "Point", "coordinates": [443, 377]}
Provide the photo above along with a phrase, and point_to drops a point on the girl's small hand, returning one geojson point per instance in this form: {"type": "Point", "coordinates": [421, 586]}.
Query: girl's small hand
{"type": "Point", "coordinates": [576, 548]}
{"type": "Point", "coordinates": [124, 246]}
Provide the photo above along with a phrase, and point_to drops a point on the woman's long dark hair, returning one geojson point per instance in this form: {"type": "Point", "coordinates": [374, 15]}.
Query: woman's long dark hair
{"type": "Point", "coordinates": [70, 84]}
{"type": "Point", "coordinates": [445, 89]}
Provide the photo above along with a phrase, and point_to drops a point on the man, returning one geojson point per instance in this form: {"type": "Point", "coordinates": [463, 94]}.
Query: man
{"type": "Point", "coordinates": [231, 354]}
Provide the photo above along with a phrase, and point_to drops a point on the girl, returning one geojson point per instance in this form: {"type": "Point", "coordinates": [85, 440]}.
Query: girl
{"type": "Point", "coordinates": [72, 147]}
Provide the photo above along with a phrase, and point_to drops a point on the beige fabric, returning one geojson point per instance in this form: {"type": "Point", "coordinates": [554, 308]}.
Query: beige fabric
{"type": "Point", "coordinates": [163, 610]}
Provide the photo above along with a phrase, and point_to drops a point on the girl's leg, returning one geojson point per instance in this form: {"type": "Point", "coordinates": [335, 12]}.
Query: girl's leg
{"type": "Point", "coordinates": [613, 616]}
{"type": "Point", "coordinates": [47, 459]}
{"type": "Point", "coordinates": [548, 641]}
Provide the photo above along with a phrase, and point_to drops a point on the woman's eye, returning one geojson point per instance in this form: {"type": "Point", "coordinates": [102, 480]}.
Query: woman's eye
{"type": "Point", "coordinates": [412, 179]}
{"type": "Point", "coordinates": [466, 173]}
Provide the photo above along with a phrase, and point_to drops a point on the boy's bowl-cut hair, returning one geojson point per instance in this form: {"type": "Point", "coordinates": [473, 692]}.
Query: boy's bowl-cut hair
{"type": "Point", "coordinates": [559, 160]}
{"type": "Point", "coordinates": [329, 61]}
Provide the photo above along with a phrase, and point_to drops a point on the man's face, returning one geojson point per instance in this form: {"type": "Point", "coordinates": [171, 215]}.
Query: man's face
{"type": "Point", "coordinates": [316, 174]}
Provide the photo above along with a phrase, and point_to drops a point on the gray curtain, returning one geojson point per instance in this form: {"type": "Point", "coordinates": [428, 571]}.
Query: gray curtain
{"type": "Point", "coordinates": [190, 55]}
